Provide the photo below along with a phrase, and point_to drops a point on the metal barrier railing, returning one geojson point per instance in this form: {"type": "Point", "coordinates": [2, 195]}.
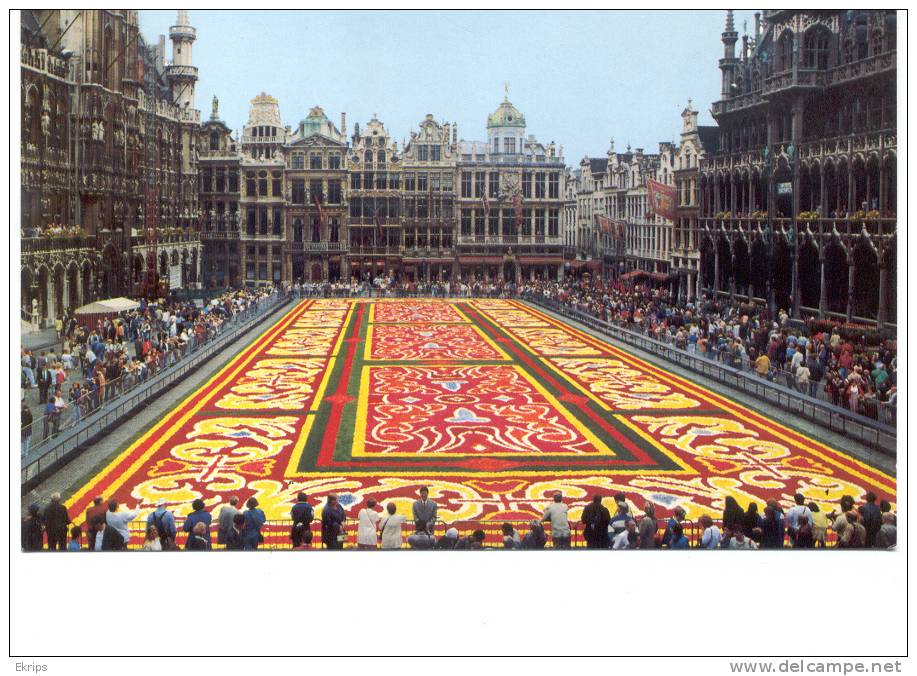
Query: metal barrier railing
{"type": "Point", "coordinates": [276, 533]}
{"type": "Point", "coordinates": [866, 430]}
{"type": "Point", "coordinates": [103, 411]}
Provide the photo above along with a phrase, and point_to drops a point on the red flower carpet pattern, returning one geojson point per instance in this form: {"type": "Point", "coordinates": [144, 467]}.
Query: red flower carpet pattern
{"type": "Point", "coordinates": [490, 403]}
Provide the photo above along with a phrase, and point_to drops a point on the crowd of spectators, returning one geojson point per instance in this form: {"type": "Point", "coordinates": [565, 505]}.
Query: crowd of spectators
{"type": "Point", "coordinates": [104, 358]}
{"type": "Point", "coordinates": [847, 371]}
{"type": "Point", "coordinates": [386, 286]}
{"type": "Point", "coordinates": [804, 525]}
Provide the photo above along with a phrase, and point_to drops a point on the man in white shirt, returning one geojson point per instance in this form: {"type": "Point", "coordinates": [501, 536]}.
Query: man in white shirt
{"type": "Point", "coordinates": [793, 513]}
{"type": "Point", "coordinates": [556, 513]}
{"type": "Point", "coordinates": [119, 520]}
{"type": "Point", "coordinates": [712, 535]}
{"type": "Point", "coordinates": [739, 541]}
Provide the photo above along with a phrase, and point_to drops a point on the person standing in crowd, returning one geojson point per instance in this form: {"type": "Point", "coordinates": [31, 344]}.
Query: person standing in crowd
{"type": "Point", "coordinates": [33, 539]}
{"type": "Point", "coordinates": [739, 541]}
{"type": "Point", "coordinates": [233, 537]}
{"type": "Point", "coordinates": [804, 538]}
{"type": "Point", "coordinates": [872, 518]}
{"type": "Point", "coordinates": [95, 515]}
{"type": "Point", "coordinates": [618, 522]}
{"type": "Point", "coordinates": [425, 509]}
{"type": "Point", "coordinates": [302, 515]}
{"type": "Point", "coordinates": [254, 519]}
{"type": "Point", "coordinates": [153, 542]}
{"type": "Point", "coordinates": [887, 537]}
{"type": "Point", "coordinates": [535, 538]}
{"type": "Point", "coordinates": [76, 540]}
{"type": "Point", "coordinates": [225, 519]}
{"type": "Point", "coordinates": [333, 534]}
{"type": "Point", "coordinates": [511, 539]}
{"type": "Point", "coordinates": [116, 535]}
{"type": "Point", "coordinates": [733, 514]}
{"type": "Point", "coordinates": [390, 527]}
{"type": "Point", "coordinates": [596, 519]}
{"type": "Point", "coordinates": [198, 541]}
{"type": "Point", "coordinates": [647, 529]}
{"type": "Point", "coordinates": [26, 435]}
{"type": "Point", "coordinates": [751, 524]}
{"type": "Point", "coordinates": [678, 515]}
{"type": "Point", "coordinates": [772, 528]}
{"type": "Point", "coordinates": [198, 515]}
{"type": "Point", "coordinates": [794, 513]}
{"type": "Point", "coordinates": [627, 538]}
{"type": "Point", "coordinates": [56, 521]}
{"type": "Point", "coordinates": [164, 521]}
{"type": "Point", "coordinates": [712, 534]}
{"type": "Point", "coordinates": [820, 525]}
{"type": "Point", "coordinates": [556, 513]}
{"type": "Point", "coordinates": [678, 540]}
{"type": "Point", "coordinates": [368, 526]}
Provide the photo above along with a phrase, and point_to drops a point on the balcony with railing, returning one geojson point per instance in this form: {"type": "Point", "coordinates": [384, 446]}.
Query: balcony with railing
{"type": "Point", "coordinates": [41, 60]}
{"type": "Point", "coordinates": [522, 240]}
{"type": "Point", "coordinates": [849, 226]}
{"type": "Point", "coordinates": [429, 253]}
{"type": "Point", "coordinates": [318, 246]}
{"type": "Point", "coordinates": [57, 244]}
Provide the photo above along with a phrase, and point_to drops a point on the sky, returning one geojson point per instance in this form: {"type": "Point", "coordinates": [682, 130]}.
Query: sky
{"type": "Point", "coordinates": [580, 78]}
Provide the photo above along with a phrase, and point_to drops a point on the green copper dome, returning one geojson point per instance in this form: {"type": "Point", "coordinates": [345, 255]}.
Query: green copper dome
{"type": "Point", "coordinates": [507, 115]}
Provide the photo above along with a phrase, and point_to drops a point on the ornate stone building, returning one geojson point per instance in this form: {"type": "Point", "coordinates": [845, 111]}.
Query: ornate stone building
{"type": "Point", "coordinates": [262, 201]}
{"type": "Point", "coordinates": [374, 203]}
{"type": "Point", "coordinates": [109, 195]}
{"type": "Point", "coordinates": [315, 176]}
{"type": "Point", "coordinates": [220, 166]}
{"type": "Point", "coordinates": [428, 202]}
{"type": "Point", "coordinates": [696, 142]}
{"type": "Point", "coordinates": [511, 194]}
{"type": "Point", "coordinates": [797, 204]}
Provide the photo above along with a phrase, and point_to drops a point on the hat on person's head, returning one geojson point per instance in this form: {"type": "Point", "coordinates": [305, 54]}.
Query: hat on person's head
{"type": "Point", "coordinates": [452, 533]}
{"type": "Point", "coordinates": [161, 502]}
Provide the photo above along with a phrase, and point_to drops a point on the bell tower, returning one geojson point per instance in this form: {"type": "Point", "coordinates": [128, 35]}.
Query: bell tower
{"type": "Point", "coordinates": [181, 73]}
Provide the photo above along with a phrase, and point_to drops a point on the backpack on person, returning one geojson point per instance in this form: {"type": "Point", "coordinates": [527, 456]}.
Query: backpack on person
{"type": "Point", "coordinates": [166, 538]}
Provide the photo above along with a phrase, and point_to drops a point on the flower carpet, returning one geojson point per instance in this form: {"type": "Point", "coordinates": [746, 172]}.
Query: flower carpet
{"type": "Point", "coordinates": [490, 403]}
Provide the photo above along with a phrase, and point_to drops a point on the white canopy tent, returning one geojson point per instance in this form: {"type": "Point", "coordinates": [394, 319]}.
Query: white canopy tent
{"type": "Point", "coordinates": [109, 306]}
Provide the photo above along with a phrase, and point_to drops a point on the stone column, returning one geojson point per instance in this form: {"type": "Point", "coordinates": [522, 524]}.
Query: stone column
{"type": "Point", "coordinates": [716, 269]}
{"type": "Point", "coordinates": [823, 292]}
{"type": "Point", "coordinates": [883, 294]}
{"type": "Point", "coordinates": [851, 276]}
{"type": "Point", "coordinates": [797, 295]}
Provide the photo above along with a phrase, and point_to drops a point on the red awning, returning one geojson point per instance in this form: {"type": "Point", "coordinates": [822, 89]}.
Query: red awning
{"type": "Point", "coordinates": [481, 259]}
{"type": "Point", "coordinates": [655, 276]}
{"type": "Point", "coordinates": [541, 260]}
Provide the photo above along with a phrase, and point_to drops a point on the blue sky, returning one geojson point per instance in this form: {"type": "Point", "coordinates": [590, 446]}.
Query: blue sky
{"type": "Point", "coordinates": [580, 78]}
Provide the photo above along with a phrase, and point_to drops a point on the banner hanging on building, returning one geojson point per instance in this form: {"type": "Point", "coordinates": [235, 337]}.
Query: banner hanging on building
{"type": "Point", "coordinates": [662, 199]}
{"type": "Point", "coordinates": [610, 226]}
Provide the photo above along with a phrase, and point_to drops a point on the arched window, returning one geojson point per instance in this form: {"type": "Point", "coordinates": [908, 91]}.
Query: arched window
{"type": "Point", "coordinates": [214, 141]}
{"type": "Point", "coordinates": [815, 47]}
{"type": "Point", "coordinates": [785, 53]}
{"type": "Point", "coordinates": [368, 157]}
{"type": "Point", "coordinates": [380, 157]}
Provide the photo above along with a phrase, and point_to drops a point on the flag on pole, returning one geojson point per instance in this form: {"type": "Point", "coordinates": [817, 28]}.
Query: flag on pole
{"type": "Point", "coordinates": [661, 199]}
